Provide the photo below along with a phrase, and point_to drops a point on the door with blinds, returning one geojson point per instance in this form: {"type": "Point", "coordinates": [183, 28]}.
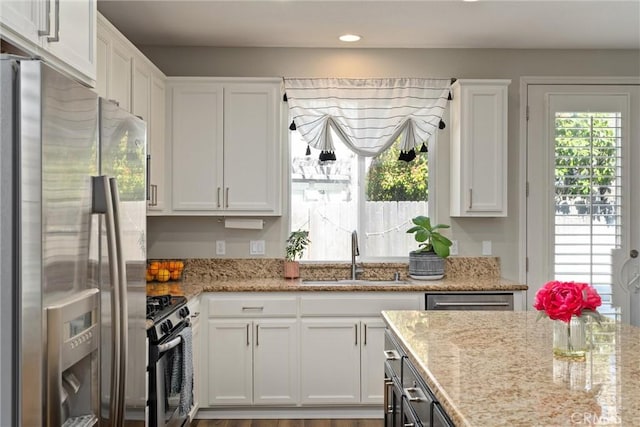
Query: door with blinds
{"type": "Point", "coordinates": [583, 161]}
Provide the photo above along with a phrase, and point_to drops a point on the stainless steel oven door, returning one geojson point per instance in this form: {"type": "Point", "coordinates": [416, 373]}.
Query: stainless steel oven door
{"type": "Point", "coordinates": [166, 401]}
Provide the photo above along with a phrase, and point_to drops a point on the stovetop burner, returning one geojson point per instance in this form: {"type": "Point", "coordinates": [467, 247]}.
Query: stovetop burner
{"type": "Point", "coordinates": [159, 306]}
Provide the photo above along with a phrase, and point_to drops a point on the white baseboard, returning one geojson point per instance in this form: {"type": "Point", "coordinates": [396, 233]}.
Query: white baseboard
{"type": "Point", "coordinates": [237, 413]}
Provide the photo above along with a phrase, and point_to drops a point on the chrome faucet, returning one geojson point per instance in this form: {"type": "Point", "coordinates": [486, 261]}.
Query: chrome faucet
{"type": "Point", "coordinates": [354, 253]}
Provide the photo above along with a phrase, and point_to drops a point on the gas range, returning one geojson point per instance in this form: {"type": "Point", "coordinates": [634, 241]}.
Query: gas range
{"type": "Point", "coordinates": [168, 312]}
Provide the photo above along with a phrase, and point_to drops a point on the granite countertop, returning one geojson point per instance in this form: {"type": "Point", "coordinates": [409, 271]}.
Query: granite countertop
{"type": "Point", "coordinates": [497, 368]}
{"type": "Point", "coordinates": [192, 288]}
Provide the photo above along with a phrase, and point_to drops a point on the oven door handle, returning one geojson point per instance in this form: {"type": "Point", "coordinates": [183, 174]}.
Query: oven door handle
{"type": "Point", "coordinates": [162, 348]}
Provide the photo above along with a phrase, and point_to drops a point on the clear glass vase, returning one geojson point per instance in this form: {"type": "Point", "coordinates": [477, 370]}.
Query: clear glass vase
{"type": "Point", "coordinates": [570, 338]}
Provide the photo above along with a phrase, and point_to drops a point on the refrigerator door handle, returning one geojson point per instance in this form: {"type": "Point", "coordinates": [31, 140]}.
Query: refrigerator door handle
{"type": "Point", "coordinates": [102, 203]}
{"type": "Point", "coordinates": [122, 314]}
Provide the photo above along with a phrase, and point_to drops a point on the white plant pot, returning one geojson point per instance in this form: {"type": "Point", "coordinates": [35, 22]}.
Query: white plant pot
{"type": "Point", "coordinates": [425, 266]}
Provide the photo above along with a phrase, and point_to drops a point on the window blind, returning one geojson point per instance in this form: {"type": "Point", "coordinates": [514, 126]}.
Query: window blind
{"type": "Point", "coordinates": [588, 178]}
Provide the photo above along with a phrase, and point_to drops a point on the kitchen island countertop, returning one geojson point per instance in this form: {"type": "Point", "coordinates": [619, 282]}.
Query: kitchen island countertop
{"type": "Point", "coordinates": [497, 368]}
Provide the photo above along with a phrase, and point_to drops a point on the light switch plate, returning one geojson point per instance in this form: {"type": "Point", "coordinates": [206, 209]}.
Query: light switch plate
{"type": "Point", "coordinates": [256, 247]}
{"type": "Point", "coordinates": [221, 247]}
{"type": "Point", "coordinates": [486, 247]}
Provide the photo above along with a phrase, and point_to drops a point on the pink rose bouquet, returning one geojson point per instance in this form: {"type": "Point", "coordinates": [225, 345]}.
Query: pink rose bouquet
{"type": "Point", "coordinates": [561, 300]}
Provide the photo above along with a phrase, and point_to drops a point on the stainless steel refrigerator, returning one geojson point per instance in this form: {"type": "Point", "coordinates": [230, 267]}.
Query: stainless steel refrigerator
{"type": "Point", "coordinates": [72, 253]}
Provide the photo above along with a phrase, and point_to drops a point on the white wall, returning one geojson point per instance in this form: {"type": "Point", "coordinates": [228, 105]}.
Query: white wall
{"type": "Point", "coordinates": [195, 237]}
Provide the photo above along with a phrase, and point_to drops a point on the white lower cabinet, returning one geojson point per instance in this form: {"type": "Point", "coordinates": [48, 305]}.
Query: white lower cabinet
{"type": "Point", "coordinates": [330, 361]}
{"type": "Point", "coordinates": [230, 362]}
{"type": "Point", "coordinates": [341, 360]}
{"type": "Point", "coordinates": [342, 338]}
{"type": "Point", "coordinates": [252, 351]}
{"type": "Point", "coordinates": [253, 361]}
{"type": "Point", "coordinates": [316, 350]}
{"type": "Point", "coordinates": [371, 360]}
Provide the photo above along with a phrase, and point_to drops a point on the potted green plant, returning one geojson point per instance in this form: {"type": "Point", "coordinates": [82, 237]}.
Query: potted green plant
{"type": "Point", "coordinates": [296, 244]}
{"type": "Point", "coordinates": [427, 262]}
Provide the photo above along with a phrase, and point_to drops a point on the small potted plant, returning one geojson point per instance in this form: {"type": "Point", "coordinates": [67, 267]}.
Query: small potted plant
{"type": "Point", "coordinates": [296, 244]}
{"type": "Point", "coordinates": [427, 262]}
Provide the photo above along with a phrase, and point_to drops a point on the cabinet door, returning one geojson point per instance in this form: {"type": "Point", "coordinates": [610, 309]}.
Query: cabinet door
{"type": "Point", "coordinates": [229, 362]}
{"type": "Point", "coordinates": [76, 42]}
{"type": "Point", "coordinates": [479, 148]}
{"type": "Point", "coordinates": [275, 361]}
{"type": "Point", "coordinates": [196, 148]}
{"type": "Point", "coordinates": [119, 87]}
{"type": "Point", "coordinates": [252, 148]}
{"type": "Point", "coordinates": [372, 360]}
{"type": "Point", "coordinates": [22, 20]}
{"type": "Point", "coordinates": [156, 135]}
{"type": "Point", "coordinates": [330, 361]}
{"type": "Point", "coordinates": [141, 90]}
{"type": "Point", "coordinates": [103, 62]}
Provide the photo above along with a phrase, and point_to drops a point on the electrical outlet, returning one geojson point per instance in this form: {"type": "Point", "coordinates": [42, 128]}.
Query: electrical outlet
{"type": "Point", "coordinates": [453, 250]}
{"type": "Point", "coordinates": [221, 247]}
{"type": "Point", "coordinates": [486, 247]}
{"type": "Point", "coordinates": [256, 247]}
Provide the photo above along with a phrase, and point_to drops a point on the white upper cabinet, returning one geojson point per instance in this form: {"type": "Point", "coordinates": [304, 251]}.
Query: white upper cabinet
{"type": "Point", "coordinates": [62, 32]}
{"type": "Point", "coordinates": [156, 146]}
{"type": "Point", "coordinates": [127, 77]}
{"type": "Point", "coordinates": [479, 148]}
{"type": "Point", "coordinates": [115, 64]}
{"type": "Point", "coordinates": [225, 146]}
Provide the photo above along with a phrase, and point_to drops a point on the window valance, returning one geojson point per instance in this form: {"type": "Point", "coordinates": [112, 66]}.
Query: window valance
{"type": "Point", "coordinates": [368, 115]}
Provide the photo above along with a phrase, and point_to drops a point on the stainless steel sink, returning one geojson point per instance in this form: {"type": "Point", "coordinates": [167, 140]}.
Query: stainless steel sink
{"type": "Point", "coordinates": [350, 282]}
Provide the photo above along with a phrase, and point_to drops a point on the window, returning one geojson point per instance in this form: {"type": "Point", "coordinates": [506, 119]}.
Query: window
{"type": "Point", "coordinates": [588, 166]}
{"type": "Point", "coordinates": [377, 197]}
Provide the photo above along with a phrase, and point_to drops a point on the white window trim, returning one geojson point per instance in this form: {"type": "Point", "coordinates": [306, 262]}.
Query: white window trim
{"type": "Point", "coordinates": [525, 81]}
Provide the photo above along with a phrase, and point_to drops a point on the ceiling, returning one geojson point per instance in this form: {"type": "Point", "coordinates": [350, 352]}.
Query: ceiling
{"type": "Point", "coordinates": [545, 24]}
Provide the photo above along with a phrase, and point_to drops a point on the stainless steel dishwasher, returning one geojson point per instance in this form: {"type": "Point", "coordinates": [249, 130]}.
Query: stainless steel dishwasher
{"type": "Point", "coordinates": [469, 301]}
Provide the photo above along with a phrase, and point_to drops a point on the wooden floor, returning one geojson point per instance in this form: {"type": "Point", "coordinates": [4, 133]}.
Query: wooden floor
{"type": "Point", "coordinates": [287, 423]}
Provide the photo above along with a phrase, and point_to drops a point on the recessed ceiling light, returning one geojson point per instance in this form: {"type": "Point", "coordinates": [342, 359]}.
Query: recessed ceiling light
{"type": "Point", "coordinates": [349, 38]}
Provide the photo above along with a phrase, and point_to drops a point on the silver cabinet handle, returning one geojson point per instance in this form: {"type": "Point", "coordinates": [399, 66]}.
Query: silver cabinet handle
{"type": "Point", "coordinates": [391, 355]}
{"type": "Point", "coordinates": [257, 332]}
{"type": "Point", "coordinates": [56, 37]}
{"type": "Point", "coordinates": [102, 203]}
{"type": "Point", "coordinates": [154, 195]}
{"type": "Point", "coordinates": [418, 394]}
{"type": "Point", "coordinates": [122, 284]}
{"type": "Point", "coordinates": [218, 196]}
{"type": "Point", "coordinates": [149, 178]}
{"type": "Point", "coordinates": [470, 198]}
{"type": "Point", "coordinates": [355, 328]}
{"type": "Point", "coordinates": [365, 334]}
{"type": "Point", "coordinates": [47, 28]}
{"type": "Point", "coordinates": [247, 334]}
{"type": "Point", "coordinates": [471, 304]}
{"type": "Point", "coordinates": [387, 386]}
{"type": "Point", "coordinates": [253, 308]}
{"type": "Point", "coordinates": [226, 205]}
